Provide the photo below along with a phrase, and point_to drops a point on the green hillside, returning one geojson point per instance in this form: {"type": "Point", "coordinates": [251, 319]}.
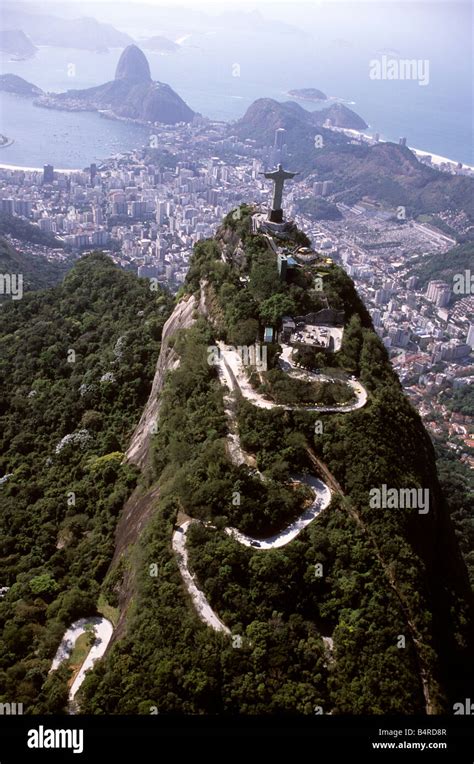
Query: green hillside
{"type": "Point", "coordinates": [445, 265]}
{"type": "Point", "coordinates": [38, 272]}
{"type": "Point", "coordinates": [27, 232]}
{"type": "Point", "coordinates": [386, 172]}
{"type": "Point", "coordinates": [387, 574]}
{"type": "Point", "coordinates": [76, 364]}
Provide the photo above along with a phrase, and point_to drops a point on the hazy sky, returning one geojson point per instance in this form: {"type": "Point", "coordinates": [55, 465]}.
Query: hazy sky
{"type": "Point", "coordinates": [246, 4]}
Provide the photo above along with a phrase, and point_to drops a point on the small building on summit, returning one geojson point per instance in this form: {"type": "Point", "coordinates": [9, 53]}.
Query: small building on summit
{"type": "Point", "coordinates": [322, 329]}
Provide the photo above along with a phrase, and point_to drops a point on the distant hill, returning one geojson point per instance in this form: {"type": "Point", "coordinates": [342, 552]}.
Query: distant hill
{"type": "Point", "coordinates": [27, 232]}
{"type": "Point", "coordinates": [339, 116]}
{"type": "Point", "coordinates": [11, 83]}
{"type": "Point", "coordinates": [132, 94]}
{"type": "Point", "coordinates": [38, 272]}
{"type": "Point", "coordinates": [46, 29]}
{"type": "Point", "coordinates": [385, 171]}
{"type": "Point", "coordinates": [265, 115]}
{"type": "Point", "coordinates": [392, 174]}
{"type": "Point", "coordinates": [443, 265]}
{"type": "Point", "coordinates": [308, 94]}
{"type": "Point", "coordinates": [16, 43]}
{"type": "Point", "coordinates": [160, 44]}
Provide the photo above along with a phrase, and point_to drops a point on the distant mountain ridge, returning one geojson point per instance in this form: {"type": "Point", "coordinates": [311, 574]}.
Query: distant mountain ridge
{"type": "Point", "coordinates": [46, 29]}
{"type": "Point", "coordinates": [160, 44]}
{"type": "Point", "coordinates": [16, 43]}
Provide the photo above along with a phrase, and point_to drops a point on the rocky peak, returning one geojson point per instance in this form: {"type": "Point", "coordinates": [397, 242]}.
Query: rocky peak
{"type": "Point", "coordinates": [133, 65]}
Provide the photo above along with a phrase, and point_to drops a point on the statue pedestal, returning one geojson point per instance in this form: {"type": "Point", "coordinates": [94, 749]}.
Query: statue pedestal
{"type": "Point", "coordinates": [282, 229]}
{"type": "Point", "coordinates": [275, 216]}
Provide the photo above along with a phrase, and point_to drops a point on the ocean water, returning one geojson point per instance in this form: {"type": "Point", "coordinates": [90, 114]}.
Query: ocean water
{"type": "Point", "coordinates": [67, 140]}
{"type": "Point", "coordinates": [220, 73]}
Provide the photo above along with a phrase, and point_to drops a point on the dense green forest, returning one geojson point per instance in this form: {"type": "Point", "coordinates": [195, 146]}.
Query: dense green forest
{"type": "Point", "coordinates": [386, 574]}
{"type": "Point", "coordinates": [457, 481]}
{"type": "Point", "coordinates": [461, 400]}
{"type": "Point", "coordinates": [388, 589]}
{"type": "Point", "coordinates": [76, 364]}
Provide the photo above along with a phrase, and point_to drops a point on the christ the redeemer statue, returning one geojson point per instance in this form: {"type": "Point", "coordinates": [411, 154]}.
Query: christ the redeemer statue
{"type": "Point", "coordinates": [278, 176]}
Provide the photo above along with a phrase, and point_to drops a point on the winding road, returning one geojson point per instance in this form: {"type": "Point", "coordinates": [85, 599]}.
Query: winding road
{"type": "Point", "coordinates": [235, 375]}
{"type": "Point", "coordinates": [232, 374]}
{"type": "Point", "coordinates": [103, 630]}
{"type": "Point", "coordinates": [204, 610]}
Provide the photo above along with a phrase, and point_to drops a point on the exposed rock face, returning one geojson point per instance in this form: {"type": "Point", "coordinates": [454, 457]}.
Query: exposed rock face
{"type": "Point", "coordinates": [131, 95]}
{"type": "Point", "coordinates": [168, 360]}
{"type": "Point", "coordinates": [133, 65]}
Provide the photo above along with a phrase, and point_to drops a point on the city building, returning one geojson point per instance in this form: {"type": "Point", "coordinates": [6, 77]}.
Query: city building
{"type": "Point", "coordinates": [48, 173]}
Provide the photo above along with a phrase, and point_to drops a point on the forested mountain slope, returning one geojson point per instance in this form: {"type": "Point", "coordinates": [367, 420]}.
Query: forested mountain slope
{"type": "Point", "coordinates": [367, 610]}
{"type": "Point", "coordinates": [76, 363]}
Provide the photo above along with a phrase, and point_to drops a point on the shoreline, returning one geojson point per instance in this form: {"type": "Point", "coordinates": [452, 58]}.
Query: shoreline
{"type": "Point", "coordinates": [21, 168]}
{"type": "Point", "coordinates": [436, 159]}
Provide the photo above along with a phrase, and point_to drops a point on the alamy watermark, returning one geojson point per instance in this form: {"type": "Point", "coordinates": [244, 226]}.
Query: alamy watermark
{"type": "Point", "coordinates": [12, 283]}
{"type": "Point", "coordinates": [52, 738]}
{"type": "Point", "coordinates": [464, 708]}
{"type": "Point", "coordinates": [250, 355]}
{"type": "Point", "coordinates": [387, 68]}
{"type": "Point", "coordinates": [400, 498]}
{"type": "Point", "coordinates": [463, 283]}
{"type": "Point", "coordinates": [11, 709]}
